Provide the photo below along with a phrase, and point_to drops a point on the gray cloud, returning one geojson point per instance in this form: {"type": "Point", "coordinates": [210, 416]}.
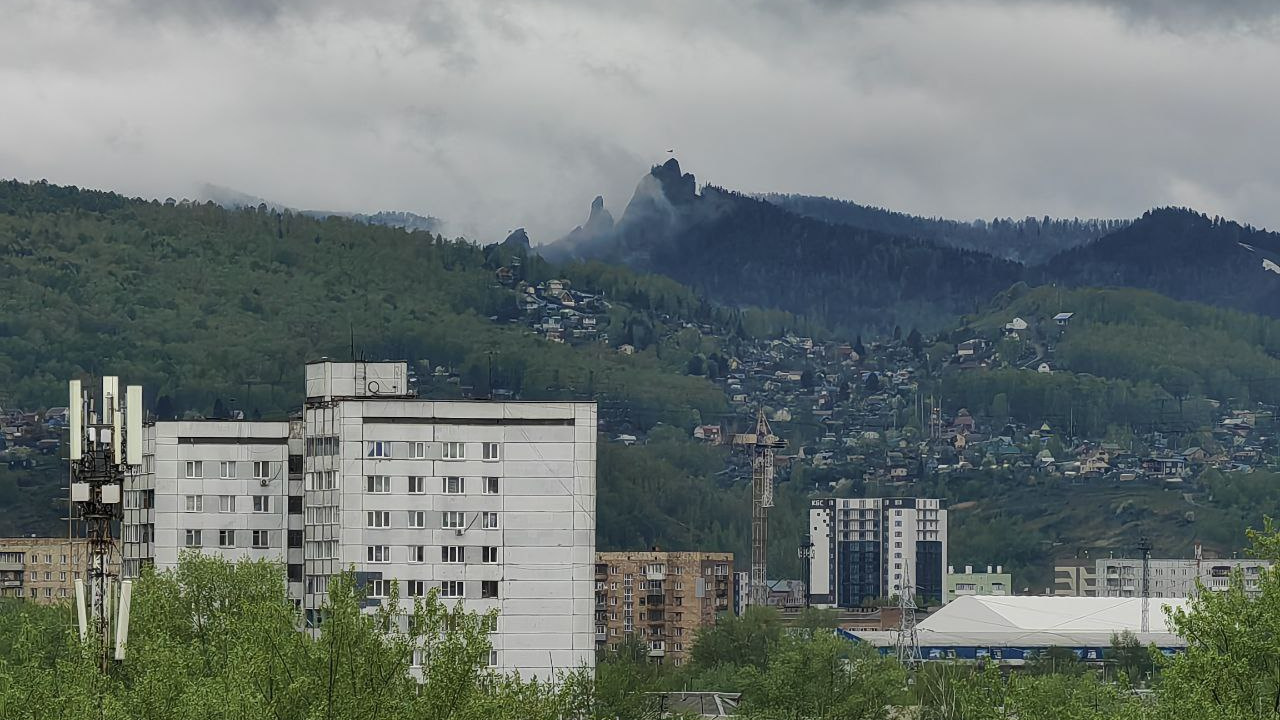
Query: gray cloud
{"type": "Point", "coordinates": [503, 114]}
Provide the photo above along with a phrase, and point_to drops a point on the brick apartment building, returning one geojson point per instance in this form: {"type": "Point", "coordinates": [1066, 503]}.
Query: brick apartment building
{"type": "Point", "coordinates": [660, 598]}
{"type": "Point", "coordinates": [42, 569]}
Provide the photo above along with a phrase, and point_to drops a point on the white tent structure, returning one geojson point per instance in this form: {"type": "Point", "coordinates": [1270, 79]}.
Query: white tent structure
{"type": "Point", "coordinates": [1009, 627]}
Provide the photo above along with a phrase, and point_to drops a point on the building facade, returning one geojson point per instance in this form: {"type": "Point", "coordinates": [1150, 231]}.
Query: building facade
{"type": "Point", "coordinates": [868, 549]}
{"type": "Point", "coordinates": [660, 598]}
{"type": "Point", "coordinates": [491, 503]}
{"type": "Point", "coordinates": [995, 581]}
{"type": "Point", "coordinates": [221, 488]}
{"type": "Point", "coordinates": [1175, 577]}
{"type": "Point", "coordinates": [1075, 577]}
{"type": "Point", "coordinates": [42, 569]}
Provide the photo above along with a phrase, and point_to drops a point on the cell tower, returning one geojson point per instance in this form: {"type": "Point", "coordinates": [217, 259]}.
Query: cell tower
{"type": "Point", "coordinates": [105, 445]}
{"type": "Point", "coordinates": [907, 643]}
{"type": "Point", "coordinates": [761, 500]}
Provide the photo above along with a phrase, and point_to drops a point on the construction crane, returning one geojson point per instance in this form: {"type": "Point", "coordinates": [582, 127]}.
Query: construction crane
{"type": "Point", "coordinates": [761, 500]}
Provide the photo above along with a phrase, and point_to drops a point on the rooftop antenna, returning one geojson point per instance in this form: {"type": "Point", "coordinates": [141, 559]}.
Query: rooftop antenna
{"type": "Point", "coordinates": [103, 448]}
{"type": "Point", "coordinates": [761, 500]}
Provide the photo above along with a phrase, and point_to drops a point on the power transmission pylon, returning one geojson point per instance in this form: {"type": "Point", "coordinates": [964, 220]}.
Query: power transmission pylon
{"type": "Point", "coordinates": [1144, 546]}
{"type": "Point", "coordinates": [908, 640]}
{"type": "Point", "coordinates": [761, 500]}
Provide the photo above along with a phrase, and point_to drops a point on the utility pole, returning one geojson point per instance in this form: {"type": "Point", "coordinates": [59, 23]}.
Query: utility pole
{"type": "Point", "coordinates": [761, 500]}
{"type": "Point", "coordinates": [1144, 546]}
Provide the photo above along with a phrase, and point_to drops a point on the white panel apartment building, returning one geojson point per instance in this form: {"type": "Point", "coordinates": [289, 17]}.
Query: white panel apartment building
{"type": "Point", "coordinates": [866, 549]}
{"type": "Point", "coordinates": [219, 487]}
{"type": "Point", "coordinates": [1176, 577]}
{"type": "Point", "coordinates": [491, 502]}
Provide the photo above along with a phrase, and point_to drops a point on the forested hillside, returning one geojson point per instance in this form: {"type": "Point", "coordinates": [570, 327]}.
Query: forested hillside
{"type": "Point", "coordinates": [742, 251]}
{"type": "Point", "coordinates": [1127, 359]}
{"type": "Point", "coordinates": [1182, 254]}
{"type": "Point", "coordinates": [1029, 241]}
{"type": "Point", "coordinates": [201, 305]}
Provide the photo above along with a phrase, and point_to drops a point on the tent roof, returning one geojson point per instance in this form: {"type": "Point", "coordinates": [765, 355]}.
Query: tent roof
{"type": "Point", "coordinates": [1039, 621]}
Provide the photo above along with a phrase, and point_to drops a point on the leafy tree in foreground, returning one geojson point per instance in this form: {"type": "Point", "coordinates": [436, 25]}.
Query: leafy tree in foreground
{"type": "Point", "coordinates": [220, 640]}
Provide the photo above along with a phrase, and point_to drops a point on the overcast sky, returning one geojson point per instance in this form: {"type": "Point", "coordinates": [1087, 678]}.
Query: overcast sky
{"type": "Point", "coordinates": [494, 115]}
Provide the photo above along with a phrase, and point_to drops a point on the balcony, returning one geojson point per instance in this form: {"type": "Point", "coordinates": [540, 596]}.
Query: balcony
{"type": "Point", "coordinates": [654, 575]}
{"type": "Point", "coordinates": [10, 583]}
{"type": "Point", "coordinates": [11, 566]}
{"type": "Point", "coordinates": [602, 637]}
{"type": "Point", "coordinates": [656, 652]}
{"type": "Point", "coordinates": [602, 572]}
{"type": "Point", "coordinates": [656, 599]}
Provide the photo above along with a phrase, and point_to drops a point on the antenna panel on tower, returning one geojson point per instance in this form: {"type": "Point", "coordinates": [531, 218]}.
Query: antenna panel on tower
{"type": "Point", "coordinates": [75, 421]}
{"type": "Point", "coordinates": [133, 425]}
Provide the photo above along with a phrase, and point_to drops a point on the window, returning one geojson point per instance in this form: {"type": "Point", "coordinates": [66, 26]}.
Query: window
{"type": "Point", "coordinates": [416, 588]}
{"type": "Point", "coordinates": [417, 519]}
{"type": "Point", "coordinates": [418, 450]}
{"type": "Point", "coordinates": [62, 576]}
{"type": "Point", "coordinates": [451, 589]}
{"type": "Point", "coordinates": [295, 505]}
{"type": "Point", "coordinates": [377, 588]}
{"type": "Point", "coordinates": [452, 519]}
{"type": "Point", "coordinates": [489, 554]}
{"type": "Point", "coordinates": [378, 519]}
{"type": "Point", "coordinates": [493, 658]}
{"type": "Point", "coordinates": [488, 588]}
{"type": "Point", "coordinates": [64, 562]}
{"type": "Point", "coordinates": [453, 486]}
{"type": "Point", "coordinates": [417, 553]}
{"type": "Point", "coordinates": [227, 469]}
{"type": "Point", "coordinates": [226, 503]}
{"type": "Point", "coordinates": [226, 538]}
{"type": "Point", "coordinates": [677, 647]}
{"type": "Point", "coordinates": [489, 520]}
{"type": "Point", "coordinates": [195, 469]}
{"type": "Point", "coordinates": [417, 657]}
{"type": "Point", "coordinates": [262, 503]}
{"type": "Point", "coordinates": [195, 503]}
{"type": "Point", "coordinates": [193, 538]}
{"type": "Point", "coordinates": [454, 451]}
{"type": "Point", "coordinates": [380, 484]}
{"type": "Point", "coordinates": [261, 470]}
{"type": "Point", "coordinates": [489, 486]}
{"type": "Point", "coordinates": [295, 538]}
{"type": "Point", "coordinates": [489, 451]}
{"type": "Point", "coordinates": [417, 485]}
{"type": "Point", "coordinates": [261, 538]}
{"type": "Point", "coordinates": [379, 449]}
{"type": "Point", "coordinates": [378, 553]}
{"type": "Point", "coordinates": [452, 554]}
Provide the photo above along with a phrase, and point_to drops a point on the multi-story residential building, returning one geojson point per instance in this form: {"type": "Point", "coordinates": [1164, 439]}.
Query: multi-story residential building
{"type": "Point", "coordinates": [865, 549]}
{"type": "Point", "coordinates": [42, 569]}
{"type": "Point", "coordinates": [1175, 577]}
{"type": "Point", "coordinates": [218, 487]}
{"type": "Point", "coordinates": [995, 581]}
{"type": "Point", "coordinates": [1075, 577]}
{"type": "Point", "coordinates": [491, 503]}
{"type": "Point", "coordinates": [660, 598]}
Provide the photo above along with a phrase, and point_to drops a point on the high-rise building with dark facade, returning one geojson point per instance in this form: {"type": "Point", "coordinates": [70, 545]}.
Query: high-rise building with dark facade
{"type": "Point", "coordinates": [866, 549]}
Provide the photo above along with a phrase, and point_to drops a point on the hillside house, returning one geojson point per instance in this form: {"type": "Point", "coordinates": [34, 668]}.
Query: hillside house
{"type": "Point", "coordinates": [708, 433]}
{"type": "Point", "coordinates": [1015, 326]}
{"type": "Point", "coordinates": [1063, 318]}
{"type": "Point", "coordinates": [969, 348]}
